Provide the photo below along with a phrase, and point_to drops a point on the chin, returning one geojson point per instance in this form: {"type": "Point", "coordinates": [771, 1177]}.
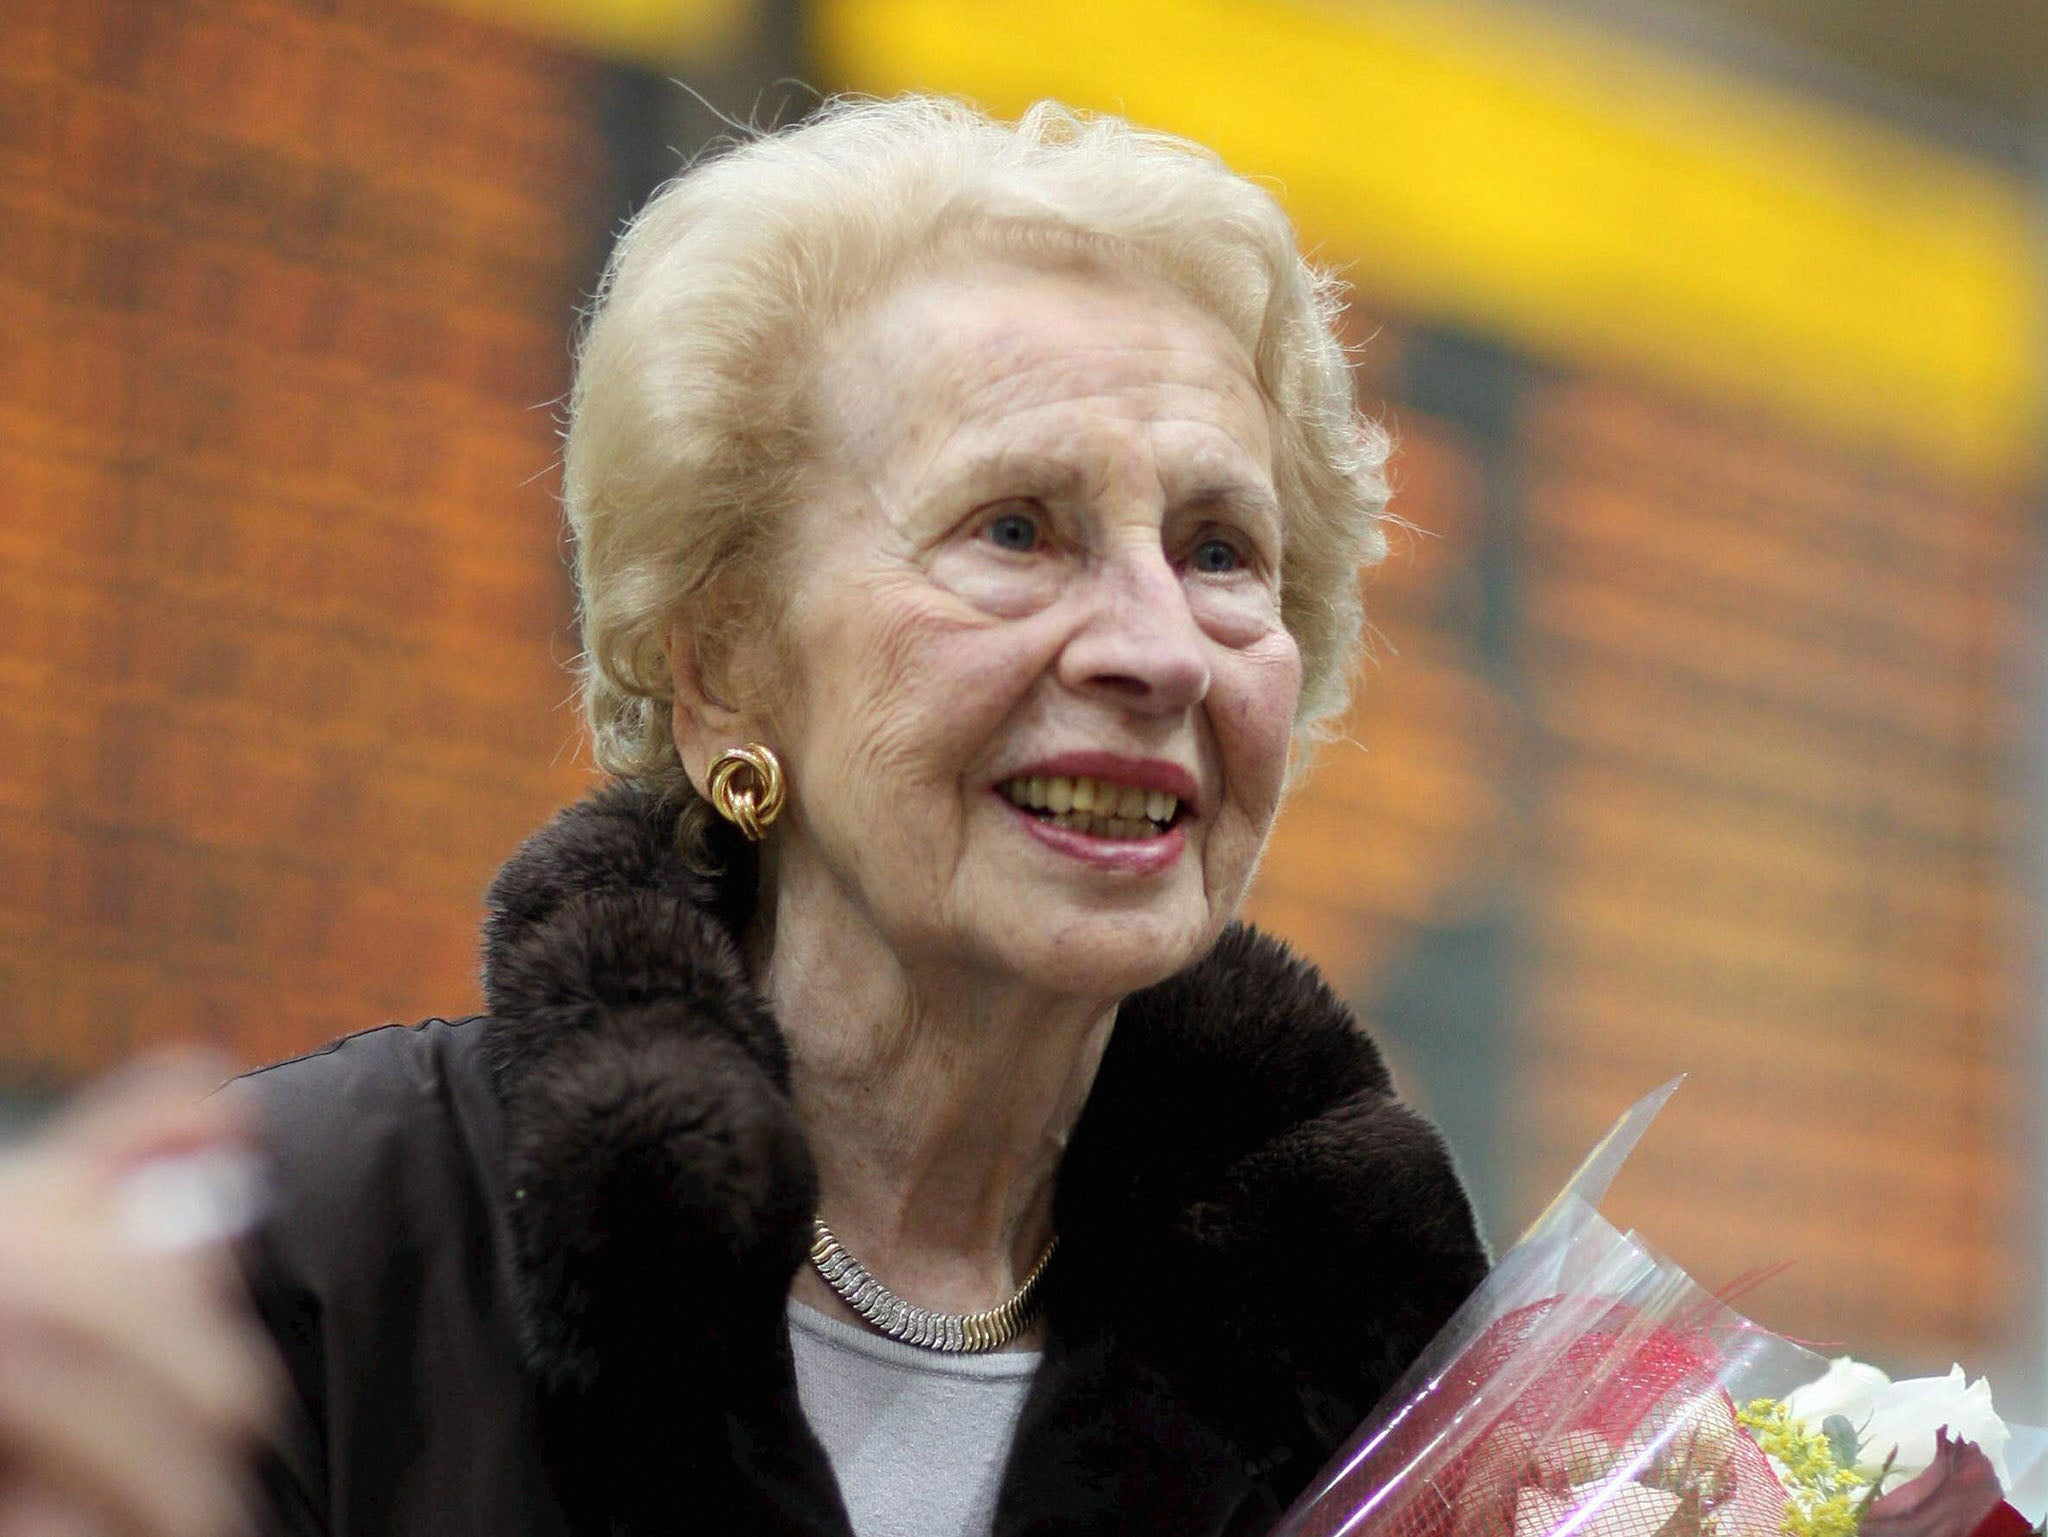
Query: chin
{"type": "Point", "coordinates": [1113, 955]}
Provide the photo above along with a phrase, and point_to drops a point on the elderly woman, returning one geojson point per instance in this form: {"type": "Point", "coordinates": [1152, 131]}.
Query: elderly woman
{"type": "Point", "coordinates": [878, 1123]}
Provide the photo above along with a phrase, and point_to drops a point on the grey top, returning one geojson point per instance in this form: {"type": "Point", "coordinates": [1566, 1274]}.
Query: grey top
{"type": "Point", "coordinates": [917, 1439]}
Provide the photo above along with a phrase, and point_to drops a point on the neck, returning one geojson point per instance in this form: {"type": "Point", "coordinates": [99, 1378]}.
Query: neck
{"type": "Point", "coordinates": [937, 1102]}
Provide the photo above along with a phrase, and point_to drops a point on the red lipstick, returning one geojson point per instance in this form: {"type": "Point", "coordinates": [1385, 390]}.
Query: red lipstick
{"type": "Point", "coordinates": [1125, 856]}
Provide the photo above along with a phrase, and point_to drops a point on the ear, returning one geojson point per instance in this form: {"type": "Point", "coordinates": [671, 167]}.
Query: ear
{"type": "Point", "coordinates": [702, 723]}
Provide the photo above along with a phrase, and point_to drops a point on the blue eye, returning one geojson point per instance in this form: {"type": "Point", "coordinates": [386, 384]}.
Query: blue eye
{"type": "Point", "coordinates": [1216, 556]}
{"type": "Point", "coordinates": [1014, 531]}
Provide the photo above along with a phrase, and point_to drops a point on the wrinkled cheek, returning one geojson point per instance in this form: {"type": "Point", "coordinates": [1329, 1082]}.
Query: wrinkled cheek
{"type": "Point", "coordinates": [1263, 732]}
{"type": "Point", "coordinates": [1253, 720]}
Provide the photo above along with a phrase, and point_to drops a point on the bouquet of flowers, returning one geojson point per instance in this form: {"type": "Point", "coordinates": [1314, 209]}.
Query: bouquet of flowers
{"type": "Point", "coordinates": [1590, 1388]}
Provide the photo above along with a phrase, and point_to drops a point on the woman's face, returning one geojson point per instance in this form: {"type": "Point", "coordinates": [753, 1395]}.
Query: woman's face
{"type": "Point", "coordinates": [1040, 716]}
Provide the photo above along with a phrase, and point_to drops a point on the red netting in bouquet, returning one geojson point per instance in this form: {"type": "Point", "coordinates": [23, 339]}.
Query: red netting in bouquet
{"type": "Point", "coordinates": [1569, 1417]}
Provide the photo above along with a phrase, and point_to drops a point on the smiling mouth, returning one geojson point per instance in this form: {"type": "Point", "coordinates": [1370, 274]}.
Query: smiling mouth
{"type": "Point", "coordinates": [1100, 808]}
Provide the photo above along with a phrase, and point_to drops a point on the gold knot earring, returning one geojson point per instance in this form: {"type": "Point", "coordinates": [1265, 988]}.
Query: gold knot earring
{"type": "Point", "coordinates": [754, 803]}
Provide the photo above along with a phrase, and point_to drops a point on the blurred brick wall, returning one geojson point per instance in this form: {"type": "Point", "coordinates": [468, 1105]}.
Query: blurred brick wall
{"type": "Point", "coordinates": [284, 290]}
{"type": "Point", "coordinates": [1786, 841]}
{"type": "Point", "coordinates": [1752, 782]}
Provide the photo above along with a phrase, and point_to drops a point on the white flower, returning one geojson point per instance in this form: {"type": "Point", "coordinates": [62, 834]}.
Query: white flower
{"type": "Point", "coordinates": [1909, 1413]}
{"type": "Point", "coordinates": [1903, 1415]}
{"type": "Point", "coordinates": [1849, 1388]}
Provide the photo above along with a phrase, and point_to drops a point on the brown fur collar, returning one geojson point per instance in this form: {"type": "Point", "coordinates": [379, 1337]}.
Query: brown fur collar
{"type": "Point", "coordinates": [1244, 1206]}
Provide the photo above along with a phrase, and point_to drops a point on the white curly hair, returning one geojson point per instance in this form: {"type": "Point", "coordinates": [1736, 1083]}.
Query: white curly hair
{"type": "Point", "coordinates": [687, 422]}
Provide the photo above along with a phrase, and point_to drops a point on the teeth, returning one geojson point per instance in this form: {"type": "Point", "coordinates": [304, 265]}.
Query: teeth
{"type": "Point", "coordinates": [1107, 827]}
{"type": "Point", "coordinates": [1095, 806]}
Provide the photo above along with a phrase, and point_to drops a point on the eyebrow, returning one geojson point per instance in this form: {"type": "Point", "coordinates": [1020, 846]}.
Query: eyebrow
{"type": "Point", "coordinates": [1249, 496]}
{"type": "Point", "coordinates": [1058, 475]}
{"type": "Point", "coordinates": [1043, 472]}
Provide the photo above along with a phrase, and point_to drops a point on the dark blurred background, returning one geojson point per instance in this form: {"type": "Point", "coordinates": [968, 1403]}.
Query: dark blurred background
{"type": "Point", "coordinates": [1704, 732]}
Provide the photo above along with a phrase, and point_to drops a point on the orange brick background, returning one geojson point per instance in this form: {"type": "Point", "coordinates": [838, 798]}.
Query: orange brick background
{"type": "Point", "coordinates": [285, 291]}
{"type": "Point", "coordinates": [1756, 796]}
{"type": "Point", "coordinates": [1787, 843]}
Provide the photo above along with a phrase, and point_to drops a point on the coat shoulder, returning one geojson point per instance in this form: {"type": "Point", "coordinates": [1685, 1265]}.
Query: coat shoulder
{"type": "Point", "coordinates": [370, 1125]}
{"type": "Point", "coordinates": [383, 1271]}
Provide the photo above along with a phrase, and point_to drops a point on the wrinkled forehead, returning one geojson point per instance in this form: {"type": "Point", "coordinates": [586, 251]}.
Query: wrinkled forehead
{"type": "Point", "coordinates": [996, 351]}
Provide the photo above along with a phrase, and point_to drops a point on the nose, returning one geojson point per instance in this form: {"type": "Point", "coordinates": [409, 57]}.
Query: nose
{"type": "Point", "coordinates": [1139, 645]}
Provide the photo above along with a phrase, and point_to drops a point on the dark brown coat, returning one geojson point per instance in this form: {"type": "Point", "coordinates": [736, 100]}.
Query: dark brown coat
{"type": "Point", "coordinates": [529, 1269]}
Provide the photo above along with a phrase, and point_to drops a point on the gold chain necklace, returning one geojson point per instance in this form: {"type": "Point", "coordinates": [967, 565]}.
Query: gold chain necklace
{"type": "Point", "coordinates": [905, 1321]}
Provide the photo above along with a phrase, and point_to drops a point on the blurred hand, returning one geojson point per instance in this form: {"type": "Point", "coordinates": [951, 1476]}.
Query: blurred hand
{"type": "Point", "coordinates": [134, 1380]}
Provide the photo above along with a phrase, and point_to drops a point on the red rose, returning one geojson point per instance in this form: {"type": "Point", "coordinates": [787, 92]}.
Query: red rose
{"type": "Point", "coordinates": [1956, 1495]}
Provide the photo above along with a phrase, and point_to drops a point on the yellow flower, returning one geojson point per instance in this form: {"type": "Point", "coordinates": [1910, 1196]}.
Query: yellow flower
{"type": "Point", "coordinates": [1823, 1498]}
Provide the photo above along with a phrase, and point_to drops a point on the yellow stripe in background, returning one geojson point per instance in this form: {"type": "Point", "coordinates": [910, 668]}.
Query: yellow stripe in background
{"type": "Point", "coordinates": [1587, 198]}
{"type": "Point", "coordinates": [659, 34]}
